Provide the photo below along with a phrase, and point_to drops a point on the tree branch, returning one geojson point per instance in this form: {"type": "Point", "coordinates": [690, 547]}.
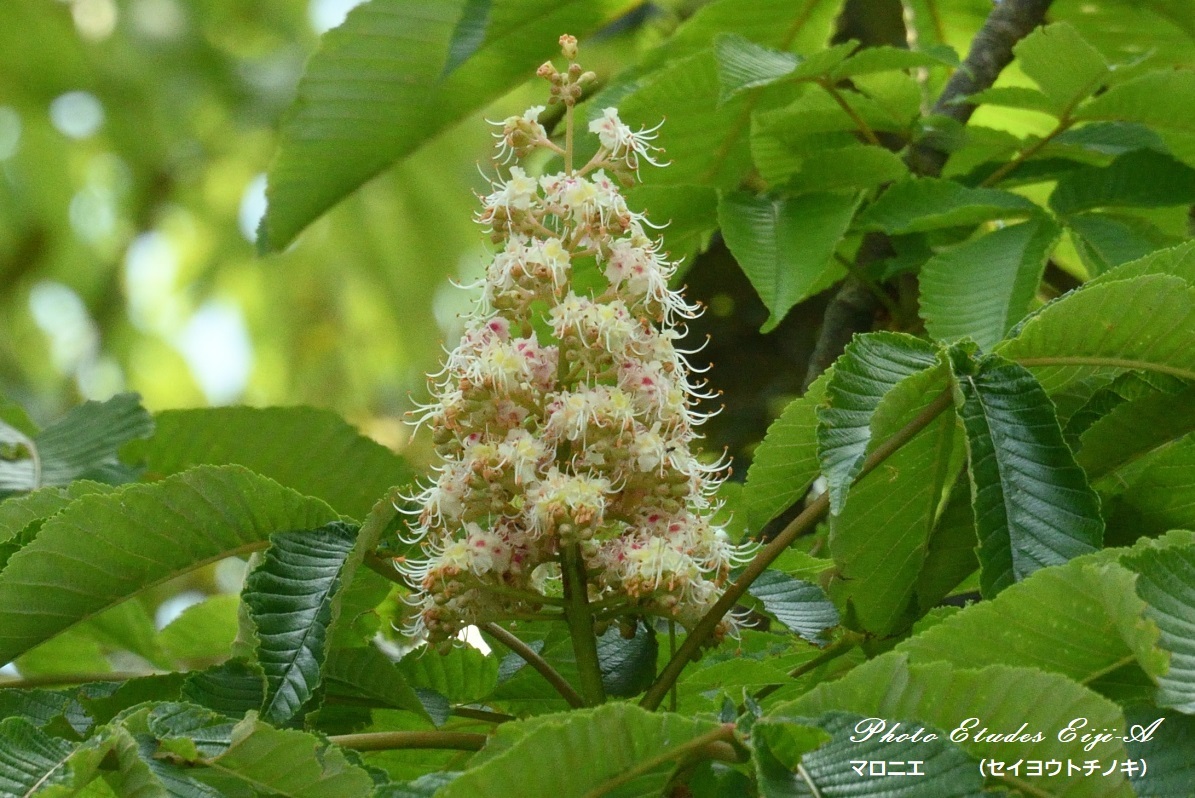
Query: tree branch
{"type": "Point", "coordinates": [804, 522]}
{"type": "Point", "coordinates": [536, 661]}
{"type": "Point", "coordinates": [391, 741]}
{"type": "Point", "coordinates": [852, 309]}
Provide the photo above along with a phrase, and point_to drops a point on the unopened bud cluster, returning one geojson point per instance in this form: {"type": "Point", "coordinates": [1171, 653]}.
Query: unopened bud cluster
{"type": "Point", "coordinates": [565, 415]}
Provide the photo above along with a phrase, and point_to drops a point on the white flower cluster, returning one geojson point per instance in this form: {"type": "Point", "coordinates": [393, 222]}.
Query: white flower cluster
{"type": "Point", "coordinates": [565, 415]}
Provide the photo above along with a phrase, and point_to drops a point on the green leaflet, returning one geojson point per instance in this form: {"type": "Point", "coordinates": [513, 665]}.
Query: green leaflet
{"type": "Point", "coordinates": [1137, 101]}
{"type": "Point", "coordinates": [831, 768]}
{"type": "Point", "coordinates": [103, 549]}
{"type": "Point", "coordinates": [583, 751]}
{"type": "Point", "coordinates": [377, 90]}
{"type": "Point", "coordinates": [83, 443]}
{"type": "Point", "coordinates": [743, 64]}
{"type": "Point", "coordinates": [801, 606]}
{"type": "Point", "coordinates": [999, 697]}
{"type": "Point", "coordinates": [879, 541]}
{"type": "Point", "coordinates": [1137, 179]}
{"type": "Point", "coordinates": [1081, 620]}
{"type": "Point", "coordinates": [1063, 64]}
{"type": "Point", "coordinates": [32, 761]}
{"type": "Point", "coordinates": [1106, 240]}
{"type": "Point", "coordinates": [203, 632]}
{"type": "Point", "coordinates": [628, 665]}
{"type": "Point", "coordinates": [1133, 429]}
{"type": "Point", "coordinates": [1166, 581]}
{"type": "Point", "coordinates": [870, 367]}
{"type": "Point", "coordinates": [368, 672]}
{"type": "Point", "coordinates": [1033, 506]}
{"type": "Point", "coordinates": [290, 599]}
{"type": "Point", "coordinates": [284, 762]}
{"type": "Point", "coordinates": [1145, 323]}
{"type": "Point", "coordinates": [927, 204]}
{"type": "Point", "coordinates": [312, 451]}
{"type": "Point", "coordinates": [463, 675]}
{"type": "Point", "coordinates": [786, 246]}
{"type": "Point", "coordinates": [786, 462]}
{"type": "Point", "coordinates": [979, 289]}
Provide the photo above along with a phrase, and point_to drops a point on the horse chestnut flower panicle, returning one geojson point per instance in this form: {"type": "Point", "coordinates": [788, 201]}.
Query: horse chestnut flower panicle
{"type": "Point", "coordinates": [565, 416]}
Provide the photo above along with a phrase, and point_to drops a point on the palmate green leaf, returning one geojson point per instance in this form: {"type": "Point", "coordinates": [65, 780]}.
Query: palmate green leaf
{"type": "Point", "coordinates": [1033, 506]}
{"type": "Point", "coordinates": [1166, 582]}
{"type": "Point", "coordinates": [1082, 620]}
{"type": "Point", "coordinates": [801, 606]}
{"type": "Point", "coordinates": [927, 204]}
{"type": "Point", "coordinates": [1002, 698]}
{"type": "Point", "coordinates": [1141, 179]}
{"type": "Point", "coordinates": [979, 289]}
{"type": "Point", "coordinates": [869, 368]}
{"type": "Point", "coordinates": [377, 90]}
{"type": "Point", "coordinates": [587, 750]}
{"type": "Point", "coordinates": [367, 672]}
{"type": "Point", "coordinates": [1106, 240]}
{"type": "Point", "coordinates": [290, 598]}
{"type": "Point", "coordinates": [1063, 64]}
{"type": "Point", "coordinates": [1137, 100]}
{"type": "Point", "coordinates": [83, 443]}
{"type": "Point", "coordinates": [879, 541]}
{"type": "Point", "coordinates": [785, 462]}
{"type": "Point", "coordinates": [103, 549]}
{"type": "Point", "coordinates": [312, 451]}
{"type": "Point", "coordinates": [786, 246]}
{"type": "Point", "coordinates": [830, 769]}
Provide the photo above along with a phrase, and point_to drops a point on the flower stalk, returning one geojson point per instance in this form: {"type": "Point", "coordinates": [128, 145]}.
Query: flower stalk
{"type": "Point", "coordinates": [564, 418]}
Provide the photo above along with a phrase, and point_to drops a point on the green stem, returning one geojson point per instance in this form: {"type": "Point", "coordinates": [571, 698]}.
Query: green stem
{"type": "Point", "coordinates": [70, 679]}
{"type": "Point", "coordinates": [832, 653]}
{"type": "Point", "coordinates": [804, 522]}
{"type": "Point", "coordinates": [391, 741]}
{"type": "Point", "coordinates": [860, 122]}
{"type": "Point", "coordinates": [580, 624]}
{"type": "Point", "coordinates": [722, 735]}
{"type": "Point", "coordinates": [536, 661]}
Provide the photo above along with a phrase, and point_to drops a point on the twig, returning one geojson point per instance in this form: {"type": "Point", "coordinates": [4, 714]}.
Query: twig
{"type": "Point", "coordinates": [396, 740]}
{"type": "Point", "coordinates": [536, 661]}
{"type": "Point", "coordinates": [860, 122]}
{"type": "Point", "coordinates": [580, 624]}
{"type": "Point", "coordinates": [767, 555]}
{"type": "Point", "coordinates": [704, 744]}
{"type": "Point", "coordinates": [832, 653]}
{"type": "Point", "coordinates": [852, 309]}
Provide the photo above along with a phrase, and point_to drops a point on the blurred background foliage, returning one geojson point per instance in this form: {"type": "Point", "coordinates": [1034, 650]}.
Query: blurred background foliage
{"type": "Point", "coordinates": [134, 140]}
